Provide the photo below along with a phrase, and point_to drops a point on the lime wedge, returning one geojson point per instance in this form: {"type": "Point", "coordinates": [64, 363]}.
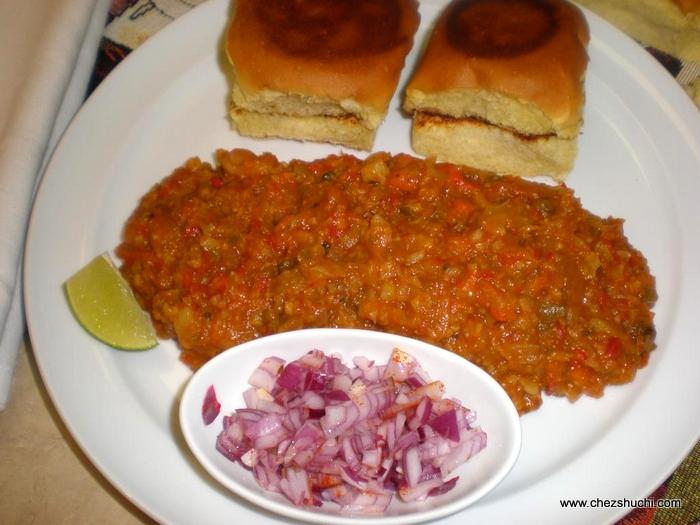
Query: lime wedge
{"type": "Point", "coordinates": [105, 306]}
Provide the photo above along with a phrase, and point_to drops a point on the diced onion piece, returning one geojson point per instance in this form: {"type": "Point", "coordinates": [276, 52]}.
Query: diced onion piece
{"type": "Point", "coordinates": [420, 491]}
{"type": "Point", "coordinates": [342, 382]}
{"type": "Point", "coordinates": [367, 503]}
{"type": "Point", "coordinates": [211, 406]}
{"type": "Point", "coordinates": [295, 486]}
{"type": "Point", "coordinates": [434, 391]}
{"type": "Point", "coordinates": [291, 376]}
{"type": "Point", "coordinates": [337, 395]}
{"type": "Point", "coordinates": [313, 359]}
{"type": "Point", "coordinates": [446, 425]}
{"type": "Point", "coordinates": [265, 375]}
{"type": "Point", "coordinates": [471, 442]}
{"type": "Point", "coordinates": [250, 458]}
{"type": "Point", "coordinates": [411, 465]}
{"type": "Point", "coordinates": [401, 365]}
{"type": "Point", "coordinates": [372, 457]}
{"type": "Point", "coordinates": [313, 400]}
{"type": "Point", "coordinates": [423, 411]}
{"type": "Point", "coordinates": [259, 399]}
{"type": "Point", "coordinates": [335, 417]}
{"type": "Point", "coordinates": [445, 487]}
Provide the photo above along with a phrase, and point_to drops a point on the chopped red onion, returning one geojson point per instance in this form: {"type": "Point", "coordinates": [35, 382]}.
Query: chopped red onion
{"type": "Point", "coordinates": [314, 381]}
{"type": "Point", "coordinates": [445, 487]}
{"type": "Point", "coordinates": [231, 441]}
{"type": "Point", "coordinates": [262, 378]}
{"type": "Point", "coordinates": [291, 376]}
{"type": "Point", "coordinates": [407, 439]}
{"type": "Point", "coordinates": [259, 399]}
{"type": "Point", "coordinates": [272, 365]}
{"type": "Point", "coordinates": [267, 432]}
{"type": "Point", "coordinates": [250, 458]}
{"type": "Point", "coordinates": [367, 503]}
{"type": "Point", "coordinates": [412, 467]}
{"type": "Point", "coordinates": [420, 491]}
{"type": "Point", "coordinates": [352, 478]}
{"type": "Point", "coordinates": [423, 411]}
{"type": "Point", "coordinates": [210, 406]}
{"type": "Point", "coordinates": [446, 425]}
{"type": "Point", "coordinates": [372, 457]}
{"type": "Point", "coordinates": [401, 366]}
{"type": "Point", "coordinates": [318, 431]}
{"type": "Point", "coordinates": [313, 359]}
{"type": "Point", "coordinates": [333, 419]}
{"type": "Point", "coordinates": [415, 381]}
{"type": "Point", "coordinates": [471, 442]}
{"type": "Point", "coordinates": [337, 395]}
{"type": "Point", "coordinates": [295, 486]}
{"type": "Point", "coordinates": [317, 413]}
{"type": "Point", "coordinates": [342, 383]}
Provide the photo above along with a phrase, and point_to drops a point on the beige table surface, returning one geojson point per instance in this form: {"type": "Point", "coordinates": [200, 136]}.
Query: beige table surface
{"type": "Point", "coordinates": [44, 476]}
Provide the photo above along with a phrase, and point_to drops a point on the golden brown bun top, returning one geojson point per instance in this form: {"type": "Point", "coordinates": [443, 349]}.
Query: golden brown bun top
{"type": "Point", "coordinates": [337, 49]}
{"type": "Point", "coordinates": [688, 6]}
{"type": "Point", "coordinates": [531, 50]}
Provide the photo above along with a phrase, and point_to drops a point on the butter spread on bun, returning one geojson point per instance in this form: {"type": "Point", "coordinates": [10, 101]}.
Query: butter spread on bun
{"type": "Point", "coordinates": [320, 70]}
{"type": "Point", "coordinates": [500, 86]}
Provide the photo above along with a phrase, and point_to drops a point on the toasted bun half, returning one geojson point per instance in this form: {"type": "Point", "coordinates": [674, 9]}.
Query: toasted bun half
{"type": "Point", "coordinates": [516, 65]}
{"type": "Point", "coordinates": [338, 61]}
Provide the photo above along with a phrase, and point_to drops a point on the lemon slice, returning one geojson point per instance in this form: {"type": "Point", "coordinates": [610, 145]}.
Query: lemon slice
{"type": "Point", "coordinates": [105, 306]}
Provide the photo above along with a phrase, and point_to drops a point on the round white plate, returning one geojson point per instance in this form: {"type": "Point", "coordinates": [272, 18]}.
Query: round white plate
{"type": "Point", "coordinates": [639, 159]}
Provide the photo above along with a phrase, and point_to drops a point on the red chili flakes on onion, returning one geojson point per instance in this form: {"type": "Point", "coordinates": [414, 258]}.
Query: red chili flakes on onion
{"type": "Point", "coordinates": [316, 430]}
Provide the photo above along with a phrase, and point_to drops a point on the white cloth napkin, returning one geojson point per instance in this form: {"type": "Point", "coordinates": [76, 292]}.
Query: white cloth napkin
{"type": "Point", "coordinates": [47, 52]}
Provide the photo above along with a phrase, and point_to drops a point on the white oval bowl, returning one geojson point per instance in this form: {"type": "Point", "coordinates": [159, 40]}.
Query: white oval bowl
{"type": "Point", "coordinates": [229, 371]}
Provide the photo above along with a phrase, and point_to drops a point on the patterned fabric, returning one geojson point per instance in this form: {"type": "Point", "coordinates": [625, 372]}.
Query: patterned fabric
{"type": "Point", "coordinates": [686, 73]}
{"type": "Point", "coordinates": [683, 485]}
{"type": "Point", "coordinates": [131, 22]}
{"type": "Point", "coordinates": [129, 25]}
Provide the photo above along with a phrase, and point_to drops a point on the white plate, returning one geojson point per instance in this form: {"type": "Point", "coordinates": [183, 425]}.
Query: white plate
{"type": "Point", "coordinates": [229, 371]}
{"type": "Point", "coordinates": [639, 159]}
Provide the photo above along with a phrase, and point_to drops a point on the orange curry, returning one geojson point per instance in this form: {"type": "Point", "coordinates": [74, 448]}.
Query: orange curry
{"type": "Point", "coordinates": [511, 274]}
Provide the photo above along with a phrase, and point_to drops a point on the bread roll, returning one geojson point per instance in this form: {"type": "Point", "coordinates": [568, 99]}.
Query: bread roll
{"type": "Point", "coordinates": [321, 70]}
{"type": "Point", "coordinates": [672, 26]}
{"type": "Point", "coordinates": [500, 86]}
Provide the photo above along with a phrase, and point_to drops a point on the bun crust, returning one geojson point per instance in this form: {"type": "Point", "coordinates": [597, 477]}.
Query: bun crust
{"type": "Point", "coordinates": [319, 57]}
